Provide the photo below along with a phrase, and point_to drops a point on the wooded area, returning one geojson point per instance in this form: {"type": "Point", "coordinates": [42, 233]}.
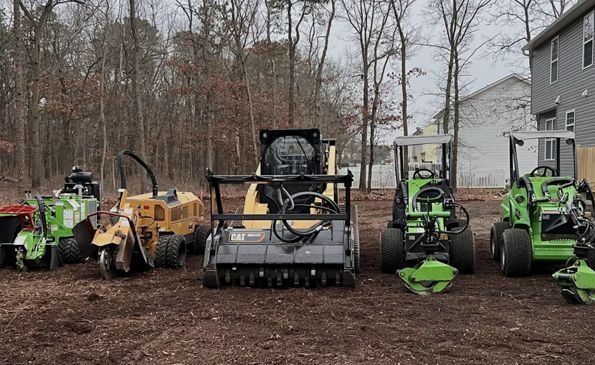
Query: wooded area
{"type": "Point", "coordinates": [188, 83]}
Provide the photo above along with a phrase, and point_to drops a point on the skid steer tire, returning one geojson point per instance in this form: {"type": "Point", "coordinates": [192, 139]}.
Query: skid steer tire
{"type": "Point", "coordinates": [162, 246]}
{"type": "Point", "coordinates": [69, 252]}
{"type": "Point", "coordinates": [462, 252]}
{"type": "Point", "coordinates": [516, 254]}
{"type": "Point", "coordinates": [392, 250]}
{"type": "Point", "coordinates": [176, 252]}
{"type": "Point", "coordinates": [201, 233]}
{"type": "Point", "coordinates": [496, 238]}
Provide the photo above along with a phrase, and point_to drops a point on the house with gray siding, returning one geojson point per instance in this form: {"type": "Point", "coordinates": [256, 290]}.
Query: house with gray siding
{"type": "Point", "coordinates": [563, 81]}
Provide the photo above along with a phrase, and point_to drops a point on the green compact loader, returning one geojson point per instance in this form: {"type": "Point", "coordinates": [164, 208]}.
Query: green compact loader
{"type": "Point", "coordinates": [428, 241]}
{"type": "Point", "coordinates": [577, 278]}
{"type": "Point", "coordinates": [38, 231]}
{"type": "Point", "coordinates": [536, 225]}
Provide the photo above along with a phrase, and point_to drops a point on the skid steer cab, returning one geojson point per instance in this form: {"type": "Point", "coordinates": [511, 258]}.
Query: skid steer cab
{"type": "Point", "coordinates": [428, 241]}
{"type": "Point", "coordinates": [536, 225]}
{"type": "Point", "coordinates": [143, 231]}
{"type": "Point", "coordinates": [38, 231]}
{"type": "Point", "coordinates": [293, 229]}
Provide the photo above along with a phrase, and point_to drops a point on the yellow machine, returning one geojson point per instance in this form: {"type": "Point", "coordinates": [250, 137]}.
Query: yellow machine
{"type": "Point", "coordinates": [293, 230]}
{"type": "Point", "coordinates": [144, 231]}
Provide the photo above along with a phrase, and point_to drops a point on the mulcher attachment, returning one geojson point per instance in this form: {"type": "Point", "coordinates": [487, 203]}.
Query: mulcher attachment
{"type": "Point", "coordinates": [577, 279]}
{"type": "Point", "coordinates": [577, 282]}
{"type": "Point", "coordinates": [427, 277]}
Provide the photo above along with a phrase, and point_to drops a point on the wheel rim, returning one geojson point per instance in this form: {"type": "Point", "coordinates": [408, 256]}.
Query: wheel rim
{"type": "Point", "coordinates": [106, 264]}
{"type": "Point", "coordinates": [493, 245]}
{"type": "Point", "coordinates": [503, 259]}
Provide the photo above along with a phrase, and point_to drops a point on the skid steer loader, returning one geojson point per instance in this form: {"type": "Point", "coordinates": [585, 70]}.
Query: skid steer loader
{"type": "Point", "coordinates": [143, 231]}
{"type": "Point", "coordinates": [292, 231]}
{"type": "Point", "coordinates": [428, 241]}
{"type": "Point", "coordinates": [38, 231]}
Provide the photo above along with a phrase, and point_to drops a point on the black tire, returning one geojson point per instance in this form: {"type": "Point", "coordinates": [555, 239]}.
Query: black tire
{"type": "Point", "coordinates": [162, 245]}
{"type": "Point", "coordinates": [496, 238]}
{"type": "Point", "coordinates": [591, 259]}
{"type": "Point", "coordinates": [176, 252]}
{"type": "Point", "coordinates": [69, 252]}
{"type": "Point", "coordinates": [392, 250]}
{"type": "Point", "coordinates": [516, 254]}
{"type": "Point", "coordinates": [462, 252]}
{"type": "Point", "coordinates": [201, 233]}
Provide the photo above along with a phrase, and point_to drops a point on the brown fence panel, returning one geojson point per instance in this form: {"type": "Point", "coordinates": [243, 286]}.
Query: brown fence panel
{"type": "Point", "coordinates": [586, 163]}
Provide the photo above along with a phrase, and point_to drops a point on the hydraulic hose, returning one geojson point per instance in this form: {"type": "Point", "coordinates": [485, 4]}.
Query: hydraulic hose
{"type": "Point", "coordinates": [289, 204]}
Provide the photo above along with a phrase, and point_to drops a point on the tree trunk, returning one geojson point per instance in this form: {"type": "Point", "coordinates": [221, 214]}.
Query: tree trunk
{"type": "Point", "coordinates": [321, 67]}
{"type": "Point", "coordinates": [447, 93]}
{"type": "Point", "coordinates": [19, 99]}
{"type": "Point", "coordinates": [138, 106]}
{"type": "Point", "coordinates": [365, 112]}
{"type": "Point", "coordinates": [102, 118]}
{"type": "Point", "coordinates": [34, 120]}
{"type": "Point", "coordinates": [456, 122]}
{"type": "Point", "coordinates": [404, 96]}
{"type": "Point", "coordinates": [291, 101]}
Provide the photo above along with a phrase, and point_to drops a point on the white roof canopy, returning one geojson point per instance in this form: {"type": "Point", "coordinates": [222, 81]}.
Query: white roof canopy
{"type": "Point", "coordinates": [543, 134]}
{"type": "Point", "coordinates": [418, 140]}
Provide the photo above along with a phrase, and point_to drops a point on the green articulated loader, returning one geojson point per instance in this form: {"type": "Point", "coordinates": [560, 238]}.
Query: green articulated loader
{"type": "Point", "coordinates": [428, 241]}
{"type": "Point", "coordinates": [577, 278]}
{"type": "Point", "coordinates": [537, 226]}
{"type": "Point", "coordinates": [38, 231]}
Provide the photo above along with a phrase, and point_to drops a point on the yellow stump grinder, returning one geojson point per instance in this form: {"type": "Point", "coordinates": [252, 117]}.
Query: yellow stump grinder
{"type": "Point", "coordinates": [143, 231]}
{"type": "Point", "coordinates": [292, 231]}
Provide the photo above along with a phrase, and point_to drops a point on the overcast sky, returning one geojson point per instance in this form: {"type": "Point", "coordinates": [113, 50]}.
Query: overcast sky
{"type": "Point", "coordinates": [485, 68]}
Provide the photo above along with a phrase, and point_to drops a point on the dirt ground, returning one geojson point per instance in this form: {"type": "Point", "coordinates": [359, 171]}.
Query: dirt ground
{"type": "Point", "coordinates": [70, 315]}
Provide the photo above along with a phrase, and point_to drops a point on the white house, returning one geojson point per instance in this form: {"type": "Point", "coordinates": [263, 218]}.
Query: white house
{"type": "Point", "coordinates": [487, 115]}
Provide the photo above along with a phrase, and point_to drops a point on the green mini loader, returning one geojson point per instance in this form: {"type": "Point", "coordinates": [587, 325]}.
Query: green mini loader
{"type": "Point", "coordinates": [428, 241]}
{"type": "Point", "coordinates": [38, 231]}
{"type": "Point", "coordinates": [577, 278]}
{"type": "Point", "coordinates": [536, 225]}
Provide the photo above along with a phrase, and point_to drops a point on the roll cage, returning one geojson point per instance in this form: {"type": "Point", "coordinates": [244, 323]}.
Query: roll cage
{"type": "Point", "coordinates": [519, 138]}
{"type": "Point", "coordinates": [444, 140]}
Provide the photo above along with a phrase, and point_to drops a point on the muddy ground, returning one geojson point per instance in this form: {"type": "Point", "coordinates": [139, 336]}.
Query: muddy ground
{"type": "Point", "coordinates": [70, 315]}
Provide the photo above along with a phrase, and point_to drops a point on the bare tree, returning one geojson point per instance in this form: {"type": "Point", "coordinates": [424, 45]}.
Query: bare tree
{"type": "Point", "coordinates": [37, 20]}
{"type": "Point", "coordinates": [524, 19]}
{"type": "Point", "coordinates": [368, 19]}
{"type": "Point", "coordinates": [459, 19]}
{"type": "Point", "coordinates": [136, 93]}
{"type": "Point", "coordinates": [406, 37]}
{"type": "Point", "coordinates": [320, 67]}
{"type": "Point", "coordinates": [19, 99]}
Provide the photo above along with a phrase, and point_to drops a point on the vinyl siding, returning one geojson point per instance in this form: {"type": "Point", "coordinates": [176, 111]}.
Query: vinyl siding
{"type": "Point", "coordinates": [483, 141]}
{"type": "Point", "coordinates": [573, 80]}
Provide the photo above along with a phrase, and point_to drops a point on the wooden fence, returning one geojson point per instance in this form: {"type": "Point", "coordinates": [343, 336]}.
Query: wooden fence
{"type": "Point", "coordinates": [586, 163]}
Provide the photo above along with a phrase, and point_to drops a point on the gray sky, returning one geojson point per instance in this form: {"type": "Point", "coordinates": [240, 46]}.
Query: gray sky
{"type": "Point", "coordinates": [484, 69]}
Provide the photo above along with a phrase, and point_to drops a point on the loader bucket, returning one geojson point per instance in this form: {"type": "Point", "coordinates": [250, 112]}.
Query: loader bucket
{"type": "Point", "coordinates": [577, 282]}
{"type": "Point", "coordinates": [84, 233]}
{"type": "Point", "coordinates": [427, 277]}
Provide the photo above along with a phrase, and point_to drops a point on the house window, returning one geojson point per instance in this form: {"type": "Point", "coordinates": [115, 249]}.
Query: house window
{"type": "Point", "coordinates": [588, 31]}
{"type": "Point", "coordinates": [549, 142]}
{"type": "Point", "coordinates": [570, 120]}
{"type": "Point", "coordinates": [555, 47]}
